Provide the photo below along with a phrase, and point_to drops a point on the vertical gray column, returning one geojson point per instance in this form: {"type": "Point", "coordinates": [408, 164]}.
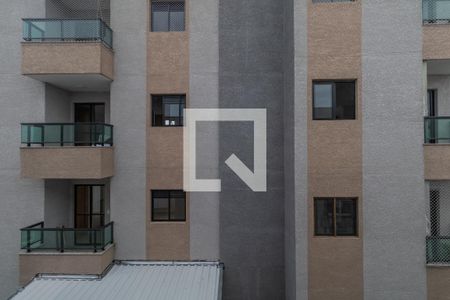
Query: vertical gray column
{"type": "Point", "coordinates": [295, 150]}
{"type": "Point", "coordinates": [22, 99]}
{"type": "Point", "coordinates": [129, 117]}
{"type": "Point", "coordinates": [393, 184]}
{"type": "Point", "coordinates": [251, 75]}
{"type": "Point", "coordinates": [204, 93]}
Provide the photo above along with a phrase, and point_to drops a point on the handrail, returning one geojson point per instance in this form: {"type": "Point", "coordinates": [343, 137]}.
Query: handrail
{"type": "Point", "coordinates": [67, 134]}
{"type": "Point", "coordinates": [66, 238]}
{"type": "Point", "coordinates": [76, 29]}
{"type": "Point", "coordinates": [437, 129]}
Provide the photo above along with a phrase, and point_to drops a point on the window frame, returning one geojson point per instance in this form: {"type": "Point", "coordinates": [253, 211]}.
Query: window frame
{"type": "Point", "coordinates": [335, 230]}
{"type": "Point", "coordinates": [181, 106]}
{"type": "Point", "coordinates": [168, 2]}
{"type": "Point", "coordinates": [333, 95]}
{"type": "Point", "coordinates": [169, 219]}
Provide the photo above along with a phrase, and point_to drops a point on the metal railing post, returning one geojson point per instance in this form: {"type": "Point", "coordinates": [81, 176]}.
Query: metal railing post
{"type": "Point", "coordinates": [62, 135]}
{"type": "Point", "coordinates": [95, 240]}
{"type": "Point", "coordinates": [28, 241]}
{"type": "Point", "coordinates": [28, 135]}
{"type": "Point", "coordinates": [62, 239]}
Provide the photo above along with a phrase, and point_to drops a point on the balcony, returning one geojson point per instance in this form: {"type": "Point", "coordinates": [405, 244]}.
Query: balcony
{"type": "Point", "coordinates": [73, 54]}
{"type": "Point", "coordinates": [436, 18]}
{"type": "Point", "coordinates": [65, 250]}
{"type": "Point", "coordinates": [67, 151]}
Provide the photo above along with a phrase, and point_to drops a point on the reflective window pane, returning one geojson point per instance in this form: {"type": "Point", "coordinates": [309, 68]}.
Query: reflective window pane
{"type": "Point", "coordinates": [323, 101]}
{"type": "Point", "coordinates": [160, 209]}
{"type": "Point", "coordinates": [323, 216]}
{"type": "Point", "coordinates": [345, 100]}
{"type": "Point", "coordinates": [346, 217]}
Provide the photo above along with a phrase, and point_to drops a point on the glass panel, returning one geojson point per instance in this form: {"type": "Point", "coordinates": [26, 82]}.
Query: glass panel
{"type": "Point", "coordinates": [346, 217]}
{"type": "Point", "coordinates": [52, 134]}
{"type": "Point", "coordinates": [437, 130]}
{"type": "Point", "coordinates": [323, 214]}
{"type": "Point", "coordinates": [160, 209]}
{"type": "Point", "coordinates": [82, 198]}
{"type": "Point", "coordinates": [97, 199]}
{"type": "Point", "coordinates": [323, 101]}
{"type": "Point", "coordinates": [36, 134]}
{"type": "Point", "coordinates": [176, 16]}
{"type": "Point", "coordinates": [24, 134]}
{"type": "Point", "coordinates": [345, 100]}
{"type": "Point", "coordinates": [177, 208]}
{"type": "Point", "coordinates": [160, 16]}
{"type": "Point", "coordinates": [69, 134]}
{"type": "Point", "coordinates": [157, 110]}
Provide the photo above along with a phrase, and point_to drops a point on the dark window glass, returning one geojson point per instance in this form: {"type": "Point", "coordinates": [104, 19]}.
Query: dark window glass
{"type": "Point", "coordinates": [346, 217]}
{"type": "Point", "coordinates": [335, 217]}
{"type": "Point", "coordinates": [168, 110]}
{"type": "Point", "coordinates": [168, 16]}
{"type": "Point", "coordinates": [168, 205]}
{"type": "Point", "coordinates": [334, 100]}
{"type": "Point", "coordinates": [323, 212]}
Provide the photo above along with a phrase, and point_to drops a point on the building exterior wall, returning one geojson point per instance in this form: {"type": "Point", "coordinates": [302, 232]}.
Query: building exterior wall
{"type": "Point", "coordinates": [128, 114]}
{"type": "Point", "coordinates": [335, 148]}
{"type": "Point", "coordinates": [167, 74]}
{"type": "Point", "coordinates": [441, 83]}
{"type": "Point", "coordinates": [251, 76]}
{"type": "Point", "coordinates": [393, 184]}
{"type": "Point", "coordinates": [21, 99]}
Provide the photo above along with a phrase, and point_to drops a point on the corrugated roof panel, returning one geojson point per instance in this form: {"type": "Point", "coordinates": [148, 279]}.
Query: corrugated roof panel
{"type": "Point", "coordinates": [134, 281]}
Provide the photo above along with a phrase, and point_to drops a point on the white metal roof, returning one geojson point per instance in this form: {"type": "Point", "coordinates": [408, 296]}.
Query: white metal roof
{"type": "Point", "coordinates": [133, 281]}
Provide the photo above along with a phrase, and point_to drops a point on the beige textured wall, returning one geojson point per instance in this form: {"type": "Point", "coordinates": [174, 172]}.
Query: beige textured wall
{"type": "Point", "coordinates": [67, 58]}
{"type": "Point", "coordinates": [67, 162]}
{"type": "Point", "coordinates": [436, 44]}
{"type": "Point", "coordinates": [335, 149]}
{"type": "Point", "coordinates": [168, 73]}
{"type": "Point", "coordinates": [79, 263]}
{"type": "Point", "coordinates": [438, 283]}
{"type": "Point", "coordinates": [437, 161]}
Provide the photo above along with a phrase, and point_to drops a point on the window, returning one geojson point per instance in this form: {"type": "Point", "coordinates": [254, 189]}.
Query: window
{"type": "Point", "coordinates": [335, 217]}
{"type": "Point", "coordinates": [168, 205]}
{"type": "Point", "coordinates": [167, 16]}
{"type": "Point", "coordinates": [168, 110]}
{"type": "Point", "coordinates": [334, 100]}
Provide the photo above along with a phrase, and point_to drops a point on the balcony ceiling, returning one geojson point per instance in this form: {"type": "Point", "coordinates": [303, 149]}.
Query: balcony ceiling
{"type": "Point", "coordinates": [439, 67]}
{"type": "Point", "coordinates": [76, 82]}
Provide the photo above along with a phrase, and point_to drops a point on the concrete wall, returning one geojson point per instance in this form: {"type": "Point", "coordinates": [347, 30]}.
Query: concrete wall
{"type": "Point", "coordinates": [21, 100]}
{"type": "Point", "coordinates": [129, 116]}
{"type": "Point", "coordinates": [295, 150]}
{"type": "Point", "coordinates": [204, 93]}
{"type": "Point", "coordinates": [67, 162]}
{"type": "Point", "coordinates": [80, 263]}
{"type": "Point", "coordinates": [58, 210]}
{"type": "Point", "coordinates": [251, 75]}
{"type": "Point", "coordinates": [167, 73]}
{"type": "Point", "coordinates": [334, 149]}
{"type": "Point", "coordinates": [57, 105]}
{"type": "Point", "coordinates": [393, 185]}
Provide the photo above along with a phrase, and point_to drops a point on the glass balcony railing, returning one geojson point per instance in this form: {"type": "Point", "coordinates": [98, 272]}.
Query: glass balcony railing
{"type": "Point", "coordinates": [67, 134]}
{"type": "Point", "coordinates": [438, 249]}
{"type": "Point", "coordinates": [437, 130]}
{"type": "Point", "coordinates": [71, 30]}
{"type": "Point", "coordinates": [436, 11]}
{"type": "Point", "coordinates": [37, 237]}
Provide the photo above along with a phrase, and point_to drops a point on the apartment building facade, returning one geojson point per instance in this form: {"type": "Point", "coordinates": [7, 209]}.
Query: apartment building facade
{"type": "Point", "coordinates": [92, 94]}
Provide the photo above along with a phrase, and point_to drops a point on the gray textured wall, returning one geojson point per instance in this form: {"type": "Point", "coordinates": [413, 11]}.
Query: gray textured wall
{"type": "Point", "coordinates": [251, 76]}
{"type": "Point", "coordinates": [204, 93]}
{"type": "Point", "coordinates": [295, 160]}
{"type": "Point", "coordinates": [393, 185]}
{"type": "Point", "coordinates": [57, 104]}
{"type": "Point", "coordinates": [129, 115]}
{"type": "Point", "coordinates": [21, 100]}
{"type": "Point", "coordinates": [58, 208]}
